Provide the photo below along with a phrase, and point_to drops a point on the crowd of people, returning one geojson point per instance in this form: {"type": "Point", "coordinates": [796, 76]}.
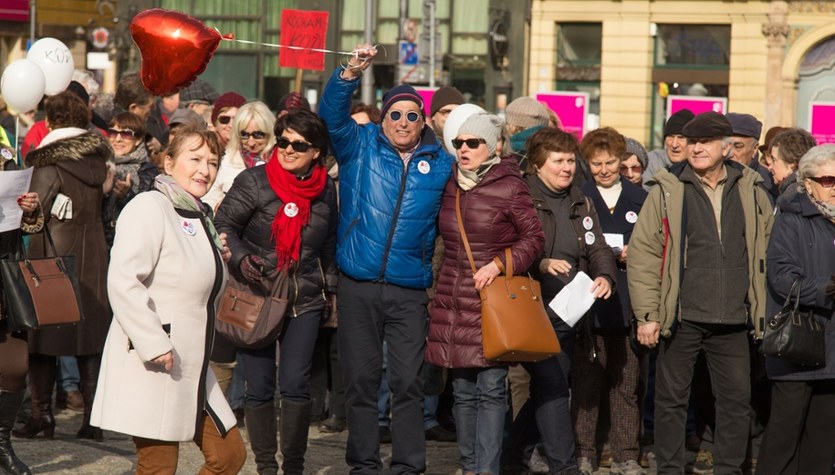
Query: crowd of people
{"type": "Point", "coordinates": [389, 222]}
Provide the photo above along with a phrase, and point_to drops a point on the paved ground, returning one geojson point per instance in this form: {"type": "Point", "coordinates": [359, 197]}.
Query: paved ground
{"type": "Point", "coordinates": [115, 456]}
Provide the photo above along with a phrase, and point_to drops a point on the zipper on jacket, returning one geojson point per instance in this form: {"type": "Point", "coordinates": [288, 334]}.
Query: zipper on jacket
{"type": "Point", "coordinates": [394, 219]}
{"type": "Point", "coordinates": [324, 282]}
{"type": "Point", "coordinates": [296, 285]}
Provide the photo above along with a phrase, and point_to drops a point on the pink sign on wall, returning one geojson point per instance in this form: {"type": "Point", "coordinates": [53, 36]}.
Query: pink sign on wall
{"type": "Point", "coordinates": [571, 107]}
{"type": "Point", "coordinates": [426, 93]}
{"type": "Point", "coordinates": [822, 121]}
{"type": "Point", "coordinates": [697, 105]}
{"type": "Point", "coordinates": [14, 10]}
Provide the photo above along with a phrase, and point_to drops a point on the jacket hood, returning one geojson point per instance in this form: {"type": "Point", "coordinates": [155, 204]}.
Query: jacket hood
{"type": "Point", "coordinates": [797, 203]}
{"type": "Point", "coordinates": [83, 157]}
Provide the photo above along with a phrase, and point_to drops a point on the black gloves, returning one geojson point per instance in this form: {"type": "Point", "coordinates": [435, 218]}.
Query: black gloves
{"type": "Point", "coordinates": [252, 268]}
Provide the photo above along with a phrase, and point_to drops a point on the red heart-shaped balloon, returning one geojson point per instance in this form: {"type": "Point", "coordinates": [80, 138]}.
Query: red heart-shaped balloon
{"type": "Point", "coordinates": [175, 48]}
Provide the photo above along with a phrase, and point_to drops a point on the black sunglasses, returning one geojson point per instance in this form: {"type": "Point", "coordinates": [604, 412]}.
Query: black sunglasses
{"type": "Point", "coordinates": [224, 119]}
{"type": "Point", "coordinates": [827, 181]}
{"type": "Point", "coordinates": [257, 135]}
{"type": "Point", "coordinates": [126, 134]}
{"type": "Point", "coordinates": [472, 144]}
{"type": "Point", "coordinates": [297, 145]}
{"type": "Point", "coordinates": [411, 116]}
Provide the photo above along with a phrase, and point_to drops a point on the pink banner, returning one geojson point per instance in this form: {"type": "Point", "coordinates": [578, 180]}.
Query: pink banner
{"type": "Point", "coordinates": [14, 10]}
{"type": "Point", "coordinates": [572, 108]}
{"type": "Point", "coordinates": [426, 93]}
{"type": "Point", "coordinates": [822, 121]}
{"type": "Point", "coordinates": [697, 105]}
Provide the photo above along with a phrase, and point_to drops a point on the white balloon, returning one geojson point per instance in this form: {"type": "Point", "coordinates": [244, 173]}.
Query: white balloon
{"type": "Point", "coordinates": [455, 120]}
{"type": "Point", "coordinates": [56, 62]}
{"type": "Point", "coordinates": [22, 85]}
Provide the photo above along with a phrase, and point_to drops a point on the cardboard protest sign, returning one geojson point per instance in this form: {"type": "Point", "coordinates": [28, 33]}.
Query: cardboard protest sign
{"type": "Point", "coordinates": [303, 29]}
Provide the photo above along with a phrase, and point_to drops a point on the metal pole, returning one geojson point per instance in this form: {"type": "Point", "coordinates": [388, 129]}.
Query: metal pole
{"type": "Point", "coordinates": [368, 78]}
{"type": "Point", "coordinates": [32, 20]}
{"type": "Point", "coordinates": [432, 44]}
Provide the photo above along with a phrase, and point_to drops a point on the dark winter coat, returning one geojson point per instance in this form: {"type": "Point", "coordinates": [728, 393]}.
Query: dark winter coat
{"type": "Point", "coordinates": [497, 214]}
{"type": "Point", "coordinates": [75, 167]}
{"type": "Point", "coordinates": [596, 257]}
{"type": "Point", "coordinates": [617, 310]}
{"type": "Point", "coordinates": [246, 216]}
{"type": "Point", "coordinates": [802, 246]}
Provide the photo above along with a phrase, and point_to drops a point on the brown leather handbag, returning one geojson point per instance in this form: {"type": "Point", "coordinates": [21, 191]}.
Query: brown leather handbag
{"type": "Point", "coordinates": [249, 319]}
{"type": "Point", "coordinates": [40, 292]}
{"type": "Point", "coordinates": [514, 324]}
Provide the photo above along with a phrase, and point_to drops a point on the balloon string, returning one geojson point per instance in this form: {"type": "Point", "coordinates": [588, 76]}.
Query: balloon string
{"type": "Point", "coordinates": [298, 48]}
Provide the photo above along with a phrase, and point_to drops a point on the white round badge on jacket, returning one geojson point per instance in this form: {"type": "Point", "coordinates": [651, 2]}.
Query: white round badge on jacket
{"type": "Point", "coordinates": [188, 228]}
{"type": "Point", "coordinates": [631, 217]}
{"type": "Point", "coordinates": [589, 238]}
{"type": "Point", "coordinates": [291, 210]}
{"type": "Point", "coordinates": [423, 167]}
{"type": "Point", "coordinates": [587, 223]}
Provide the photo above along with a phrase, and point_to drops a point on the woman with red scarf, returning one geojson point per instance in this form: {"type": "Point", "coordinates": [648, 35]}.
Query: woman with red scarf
{"type": "Point", "coordinates": [283, 216]}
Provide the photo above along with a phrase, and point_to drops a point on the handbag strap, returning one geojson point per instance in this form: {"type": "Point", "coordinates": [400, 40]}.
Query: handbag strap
{"type": "Point", "coordinates": [508, 256]}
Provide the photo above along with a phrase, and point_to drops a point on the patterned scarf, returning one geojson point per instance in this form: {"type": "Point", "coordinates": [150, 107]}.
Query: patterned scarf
{"type": "Point", "coordinates": [181, 199]}
{"type": "Point", "coordinates": [251, 159]}
{"type": "Point", "coordinates": [296, 195]}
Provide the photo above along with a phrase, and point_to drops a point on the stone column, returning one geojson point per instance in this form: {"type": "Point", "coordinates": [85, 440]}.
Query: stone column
{"type": "Point", "coordinates": [775, 30]}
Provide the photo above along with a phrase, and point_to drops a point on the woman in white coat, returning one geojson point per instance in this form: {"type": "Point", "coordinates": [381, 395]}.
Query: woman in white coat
{"type": "Point", "coordinates": [167, 274]}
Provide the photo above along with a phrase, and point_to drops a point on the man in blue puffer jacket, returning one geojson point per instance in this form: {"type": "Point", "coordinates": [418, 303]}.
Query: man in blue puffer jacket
{"type": "Point", "coordinates": [391, 179]}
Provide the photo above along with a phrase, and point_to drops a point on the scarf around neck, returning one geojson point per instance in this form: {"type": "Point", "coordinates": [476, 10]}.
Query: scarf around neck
{"type": "Point", "coordinates": [296, 194]}
{"type": "Point", "coordinates": [468, 179]}
{"type": "Point", "coordinates": [182, 199]}
{"type": "Point", "coordinates": [251, 159]}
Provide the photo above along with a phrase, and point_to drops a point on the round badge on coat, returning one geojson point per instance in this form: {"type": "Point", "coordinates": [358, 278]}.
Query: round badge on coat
{"type": "Point", "coordinates": [631, 217]}
{"type": "Point", "coordinates": [587, 223]}
{"type": "Point", "coordinates": [589, 238]}
{"type": "Point", "coordinates": [423, 167]}
{"type": "Point", "coordinates": [291, 210]}
{"type": "Point", "coordinates": [7, 154]}
{"type": "Point", "coordinates": [188, 228]}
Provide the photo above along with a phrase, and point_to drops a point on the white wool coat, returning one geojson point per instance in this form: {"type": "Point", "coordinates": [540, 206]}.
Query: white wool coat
{"type": "Point", "coordinates": [165, 273]}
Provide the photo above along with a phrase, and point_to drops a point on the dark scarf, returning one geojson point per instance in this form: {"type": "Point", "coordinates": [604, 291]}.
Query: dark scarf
{"type": "Point", "coordinates": [296, 194]}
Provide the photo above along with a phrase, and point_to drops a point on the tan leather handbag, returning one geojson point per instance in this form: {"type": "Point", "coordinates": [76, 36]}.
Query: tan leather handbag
{"type": "Point", "coordinates": [250, 320]}
{"type": "Point", "coordinates": [514, 324]}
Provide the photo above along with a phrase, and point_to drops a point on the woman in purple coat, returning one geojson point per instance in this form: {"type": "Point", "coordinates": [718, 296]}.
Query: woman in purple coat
{"type": "Point", "coordinates": [497, 213]}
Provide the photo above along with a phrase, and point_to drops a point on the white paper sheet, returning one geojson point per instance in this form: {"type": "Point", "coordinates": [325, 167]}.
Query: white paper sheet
{"type": "Point", "coordinates": [615, 241]}
{"type": "Point", "coordinates": [574, 300]}
{"type": "Point", "coordinates": [13, 183]}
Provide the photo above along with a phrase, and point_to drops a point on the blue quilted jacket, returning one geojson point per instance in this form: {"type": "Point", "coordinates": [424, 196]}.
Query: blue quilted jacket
{"type": "Point", "coordinates": [388, 213]}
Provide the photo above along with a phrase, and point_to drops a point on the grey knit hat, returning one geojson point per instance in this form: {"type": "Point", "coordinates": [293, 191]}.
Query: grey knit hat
{"type": "Point", "coordinates": [484, 126]}
{"type": "Point", "coordinates": [526, 112]}
{"type": "Point", "coordinates": [633, 147]}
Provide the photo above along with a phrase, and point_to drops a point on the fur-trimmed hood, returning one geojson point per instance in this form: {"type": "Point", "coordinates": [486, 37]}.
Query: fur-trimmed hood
{"type": "Point", "coordinates": [83, 156]}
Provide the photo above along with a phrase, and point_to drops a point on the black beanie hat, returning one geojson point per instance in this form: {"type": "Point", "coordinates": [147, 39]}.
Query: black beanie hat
{"type": "Point", "coordinates": [675, 124]}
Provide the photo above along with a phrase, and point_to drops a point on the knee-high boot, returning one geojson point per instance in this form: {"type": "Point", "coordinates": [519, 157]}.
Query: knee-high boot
{"type": "Point", "coordinates": [293, 426]}
{"type": "Point", "coordinates": [41, 381]}
{"type": "Point", "coordinates": [260, 426]}
{"type": "Point", "coordinates": [88, 369]}
{"type": "Point", "coordinates": [9, 463]}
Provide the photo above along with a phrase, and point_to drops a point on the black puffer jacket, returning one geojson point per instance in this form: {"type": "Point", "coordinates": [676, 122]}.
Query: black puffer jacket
{"type": "Point", "coordinates": [246, 216]}
{"type": "Point", "coordinates": [801, 247]}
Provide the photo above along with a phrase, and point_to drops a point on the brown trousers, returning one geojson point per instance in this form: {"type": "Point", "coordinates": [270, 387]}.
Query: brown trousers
{"type": "Point", "coordinates": [14, 360]}
{"type": "Point", "coordinates": [224, 455]}
{"type": "Point", "coordinates": [614, 374]}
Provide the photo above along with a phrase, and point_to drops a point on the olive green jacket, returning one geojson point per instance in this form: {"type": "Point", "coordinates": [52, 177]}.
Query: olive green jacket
{"type": "Point", "coordinates": [657, 248]}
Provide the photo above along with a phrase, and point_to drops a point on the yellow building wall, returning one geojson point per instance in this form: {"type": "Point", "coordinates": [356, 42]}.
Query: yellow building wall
{"type": "Point", "coordinates": [627, 48]}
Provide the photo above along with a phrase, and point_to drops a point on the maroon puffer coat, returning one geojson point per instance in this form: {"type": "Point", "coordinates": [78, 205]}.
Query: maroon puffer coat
{"type": "Point", "coordinates": [497, 213]}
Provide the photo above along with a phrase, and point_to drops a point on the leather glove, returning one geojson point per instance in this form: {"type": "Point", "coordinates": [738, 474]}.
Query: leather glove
{"type": "Point", "coordinates": [252, 268]}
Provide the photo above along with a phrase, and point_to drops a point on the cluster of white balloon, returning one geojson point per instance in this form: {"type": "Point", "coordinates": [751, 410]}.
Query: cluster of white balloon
{"type": "Point", "coordinates": [47, 69]}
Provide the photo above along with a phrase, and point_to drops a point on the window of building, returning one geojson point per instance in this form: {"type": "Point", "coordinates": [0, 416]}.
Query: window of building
{"type": "Point", "coordinates": [579, 49]}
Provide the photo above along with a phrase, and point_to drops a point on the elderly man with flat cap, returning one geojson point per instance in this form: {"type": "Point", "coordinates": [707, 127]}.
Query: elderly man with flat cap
{"type": "Point", "coordinates": [697, 283]}
{"type": "Point", "coordinates": [392, 177]}
{"type": "Point", "coordinates": [745, 142]}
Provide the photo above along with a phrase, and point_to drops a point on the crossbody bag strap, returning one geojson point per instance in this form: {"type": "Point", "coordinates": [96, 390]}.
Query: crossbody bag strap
{"type": "Point", "coordinates": [461, 229]}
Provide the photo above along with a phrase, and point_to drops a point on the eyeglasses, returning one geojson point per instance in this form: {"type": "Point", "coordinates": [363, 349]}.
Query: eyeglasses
{"type": "Point", "coordinates": [627, 168]}
{"type": "Point", "coordinates": [827, 181]}
{"type": "Point", "coordinates": [224, 119]}
{"type": "Point", "coordinates": [471, 143]}
{"type": "Point", "coordinates": [444, 112]}
{"type": "Point", "coordinates": [411, 116]}
{"type": "Point", "coordinates": [257, 135]}
{"type": "Point", "coordinates": [126, 134]}
{"type": "Point", "coordinates": [298, 145]}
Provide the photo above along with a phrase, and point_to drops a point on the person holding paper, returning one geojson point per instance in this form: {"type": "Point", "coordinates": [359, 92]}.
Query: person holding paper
{"type": "Point", "coordinates": [574, 242]}
{"type": "Point", "coordinates": [14, 353]}
{"type": "Point", "coordinates": [697, 283]}
{"type": "Point", "coordinates": [496, 213]}
{"type": "Point", "coordinates": [615, 370]}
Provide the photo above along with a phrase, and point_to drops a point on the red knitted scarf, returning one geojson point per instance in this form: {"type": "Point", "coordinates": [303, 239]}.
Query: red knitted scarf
{"type": "Point", "coordinates": [294, 215]}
